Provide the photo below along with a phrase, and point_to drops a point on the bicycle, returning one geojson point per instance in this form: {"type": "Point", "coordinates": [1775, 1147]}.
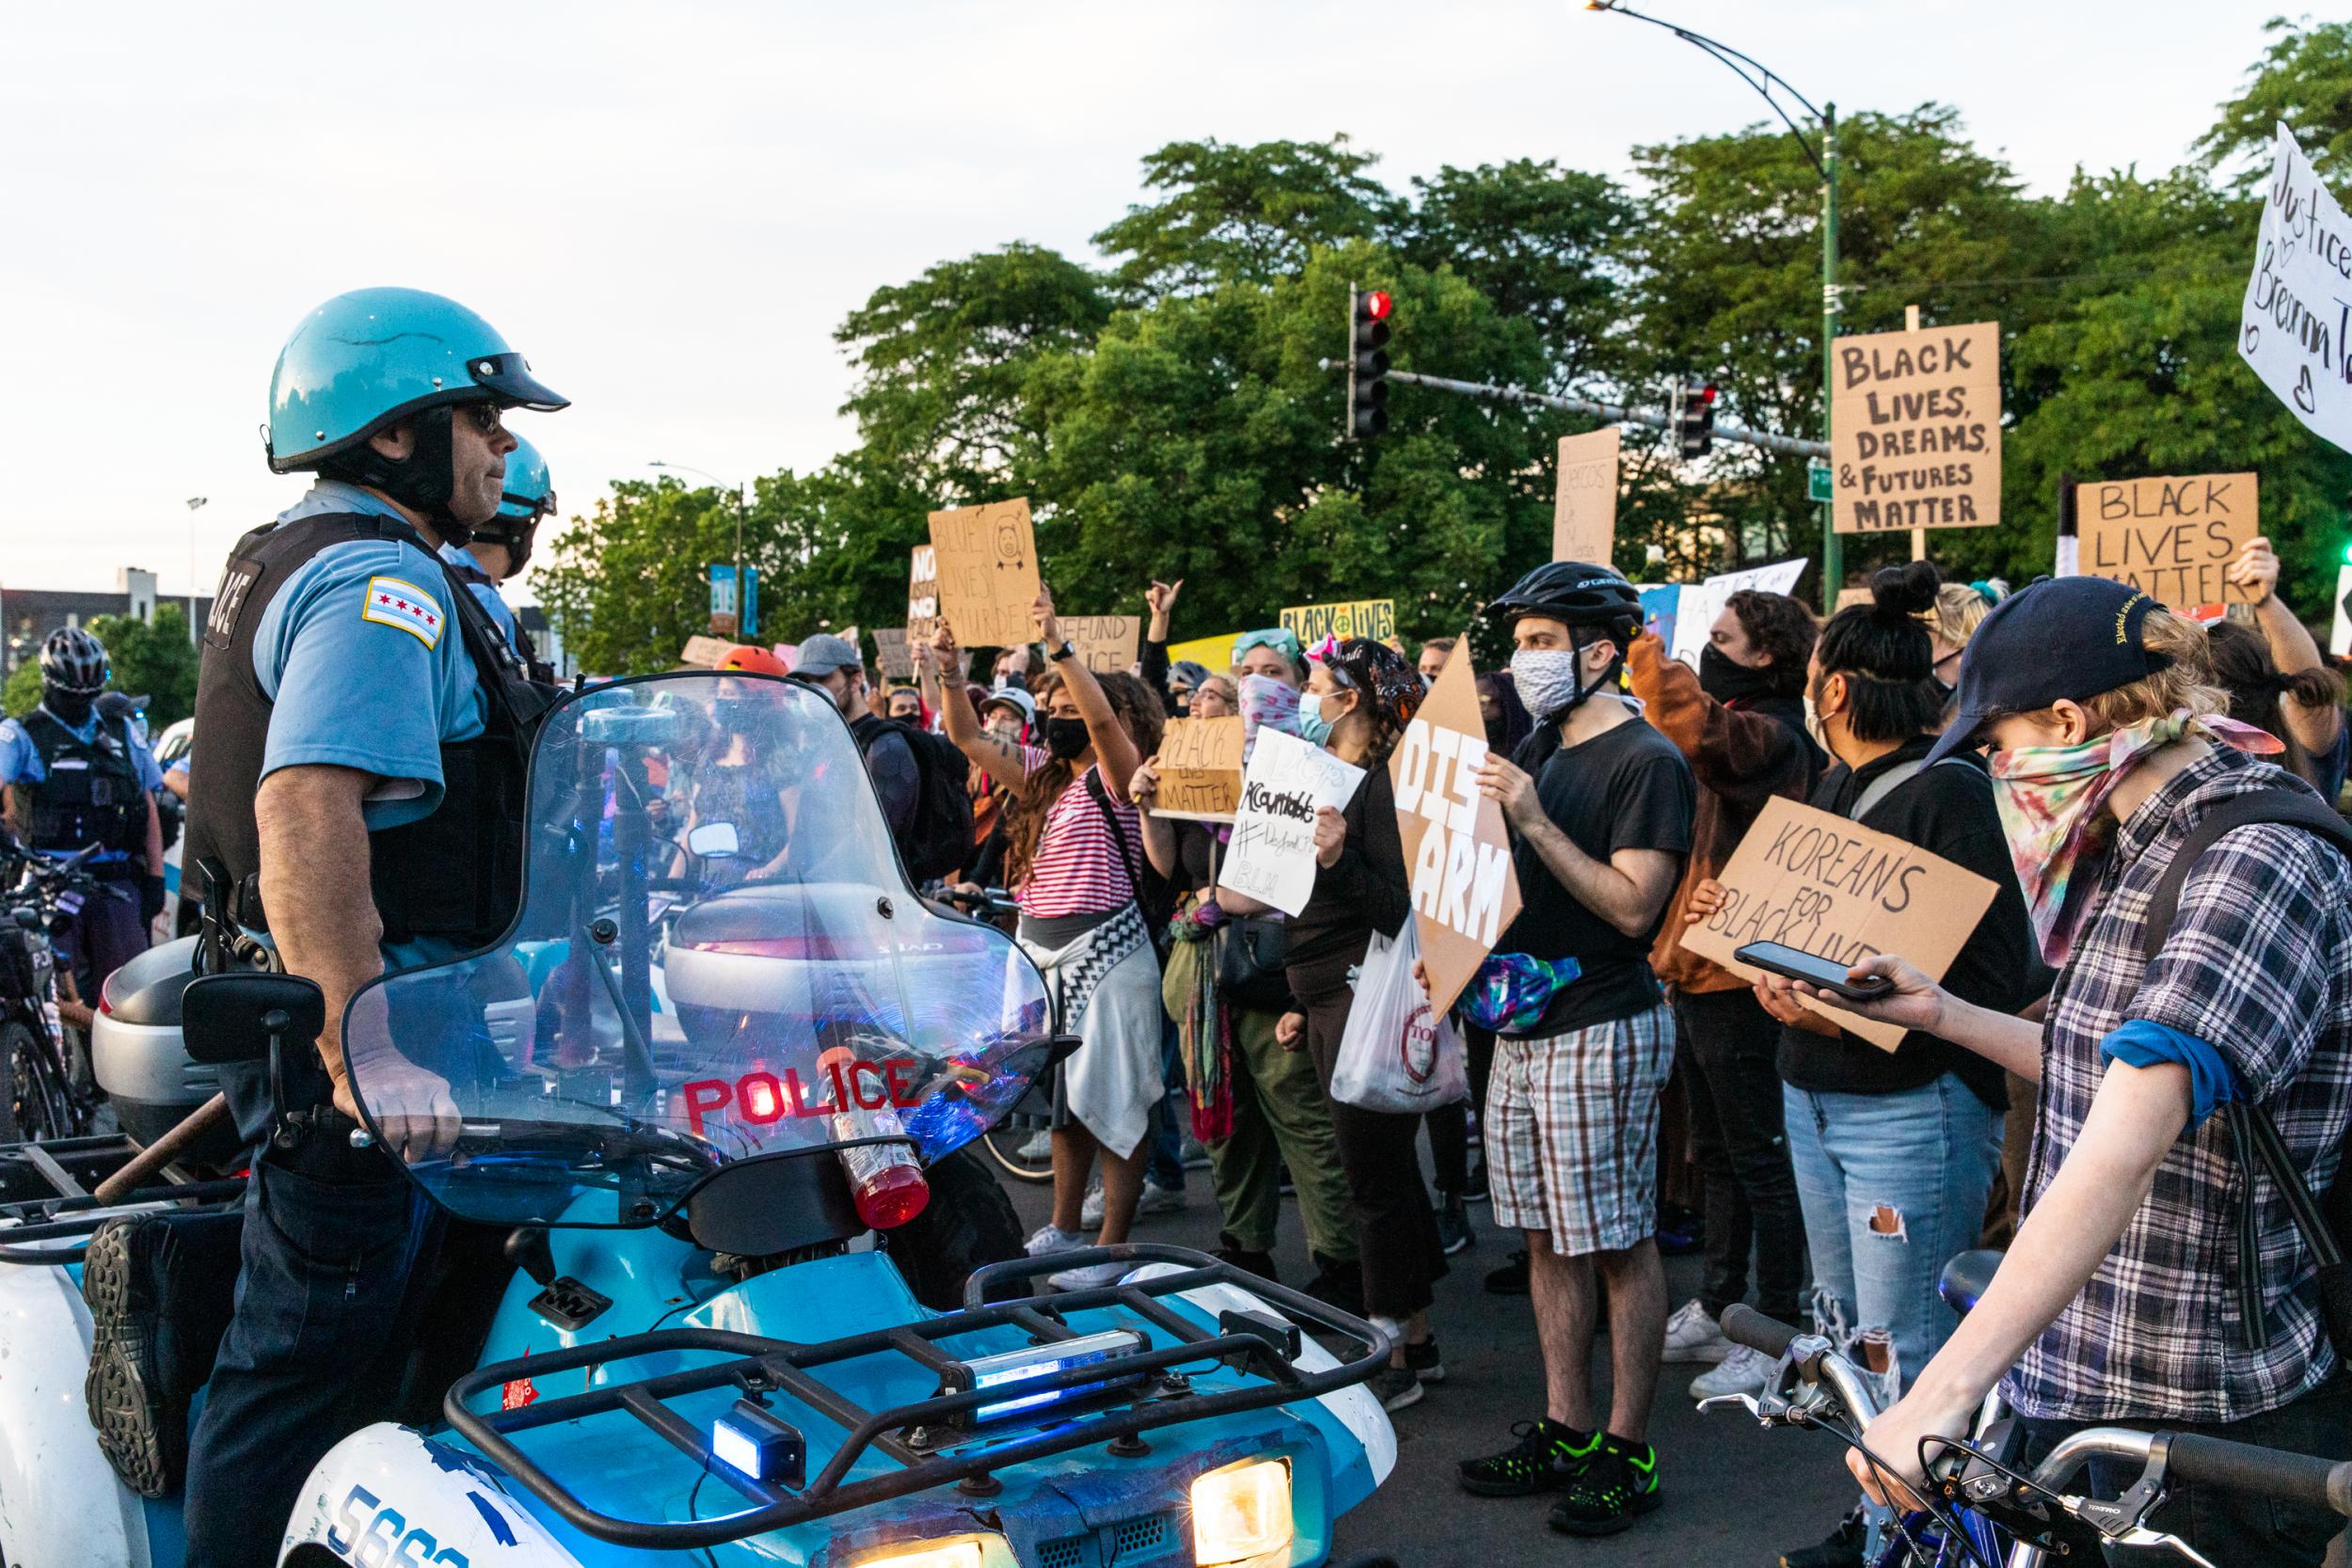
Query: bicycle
{"type": "Point", "coordinates": [1021, 1145]}
{"type": "Point", "coordinates": [1985, 1509]}
{"type": "Point", "coordinates": [43, 1101]}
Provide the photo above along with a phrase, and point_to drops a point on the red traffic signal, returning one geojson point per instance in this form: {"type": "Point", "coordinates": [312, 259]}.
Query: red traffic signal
{"type": "Point", "coordinates": [1376, 305]}
{"type": "Point", "coordinates": [1367, 362]}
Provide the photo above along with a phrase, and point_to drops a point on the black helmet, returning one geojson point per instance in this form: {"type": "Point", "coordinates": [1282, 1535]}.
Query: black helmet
{"type": "Point", "coordinates": [1574, 592]}
{"type": "Point", "coordinates": [74, 661]}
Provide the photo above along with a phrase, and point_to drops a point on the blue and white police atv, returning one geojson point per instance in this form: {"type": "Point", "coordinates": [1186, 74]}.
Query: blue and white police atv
{"type": "Point", "coordinates": [684, 1347]}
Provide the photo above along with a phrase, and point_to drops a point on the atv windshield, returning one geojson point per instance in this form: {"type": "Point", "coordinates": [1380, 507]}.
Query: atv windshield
{"type": "Point", "coordinates": [717, 958]}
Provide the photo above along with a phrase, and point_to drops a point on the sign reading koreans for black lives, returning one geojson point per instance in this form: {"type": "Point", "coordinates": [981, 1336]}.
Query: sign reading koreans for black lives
{"type": "Point", "coordinates": [1915, 429]}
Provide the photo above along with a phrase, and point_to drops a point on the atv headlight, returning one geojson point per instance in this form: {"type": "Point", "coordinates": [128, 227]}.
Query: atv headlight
{"type": "Point", "coordinates": [963, 1552]}
{"type": "Point", "coordinates": [1240, 1513]}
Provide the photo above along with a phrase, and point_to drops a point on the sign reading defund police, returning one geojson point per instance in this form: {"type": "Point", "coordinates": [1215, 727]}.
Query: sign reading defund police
{"type": "Point", "coordinates": [2296, 319]}
{"type": "Point", "coordinates": [1843, 892]}
{"type": "Point", "coordinates": [1466, 890]}
{"type": "Point", "coordinates": [1915, 429]}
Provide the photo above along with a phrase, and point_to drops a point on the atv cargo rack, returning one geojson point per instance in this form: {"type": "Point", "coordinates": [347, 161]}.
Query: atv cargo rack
{"type": "Point", "coordinates": [45, 1196]}
{"type": "Point", "coordinates": [914, 1434]}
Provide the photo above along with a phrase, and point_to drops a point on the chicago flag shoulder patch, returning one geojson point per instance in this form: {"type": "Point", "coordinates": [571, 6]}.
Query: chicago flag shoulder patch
{"type": "Point", "coordinates": [391, 602]}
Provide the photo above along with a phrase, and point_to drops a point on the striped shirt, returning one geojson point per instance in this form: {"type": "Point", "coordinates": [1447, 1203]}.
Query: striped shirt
{"type": "Point", "coordinates": [1078, 867]}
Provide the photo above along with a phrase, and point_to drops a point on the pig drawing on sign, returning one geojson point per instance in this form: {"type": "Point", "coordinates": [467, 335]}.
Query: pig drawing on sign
{"type": "Point", "coordinates": [1457, 880]}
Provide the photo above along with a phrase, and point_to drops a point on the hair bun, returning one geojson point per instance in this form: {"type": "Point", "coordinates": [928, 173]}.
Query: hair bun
{"type": "Point", "coordinates": [1897, 593]}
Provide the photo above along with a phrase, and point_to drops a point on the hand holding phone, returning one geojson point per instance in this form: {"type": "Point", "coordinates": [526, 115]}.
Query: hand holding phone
{"type": "Point", "coordinates": [1794, 964]}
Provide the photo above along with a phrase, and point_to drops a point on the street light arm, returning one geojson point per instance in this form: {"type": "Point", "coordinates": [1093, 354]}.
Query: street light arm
{"type": "Point", "coordinates": [1739, 65]}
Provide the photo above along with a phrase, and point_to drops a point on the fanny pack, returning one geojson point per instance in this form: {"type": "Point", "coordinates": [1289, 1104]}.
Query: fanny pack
{"type": "Point", "coordinates": [1511, 990]}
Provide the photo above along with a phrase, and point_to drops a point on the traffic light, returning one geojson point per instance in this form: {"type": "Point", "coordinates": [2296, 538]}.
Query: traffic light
{"type": "Point", "coordinates": [1691, 409]}
{"type": "Point", "coordinates": [1367, 362]}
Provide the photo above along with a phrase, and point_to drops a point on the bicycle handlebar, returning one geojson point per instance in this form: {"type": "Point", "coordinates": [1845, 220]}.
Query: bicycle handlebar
{"type": "Point", "coordinates": [2302, 1480]}
{"type": "Point", "coordinates": [1770, 1338]}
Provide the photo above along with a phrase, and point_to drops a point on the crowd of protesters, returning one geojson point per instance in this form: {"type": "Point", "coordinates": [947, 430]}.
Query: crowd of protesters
{"type": "Point", "coordinates": [2060, 742]}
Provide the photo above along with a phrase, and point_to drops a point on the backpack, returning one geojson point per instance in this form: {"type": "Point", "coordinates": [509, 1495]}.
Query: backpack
{"type": "Point", "coordinates": [2325, 1224]}
{"type": "Point", "coordinates": [938, 842]}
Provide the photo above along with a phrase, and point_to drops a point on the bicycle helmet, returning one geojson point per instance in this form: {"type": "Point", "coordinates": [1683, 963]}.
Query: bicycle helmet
{"type": "Point", "coordinates": [751, 660]}
{"type": "Point", "coordinates": [1574, 593]}
{"type": "Point", "coordinates": [75, 662]}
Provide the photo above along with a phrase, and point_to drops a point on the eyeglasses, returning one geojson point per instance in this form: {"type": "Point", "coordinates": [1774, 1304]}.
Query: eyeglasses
{"type": "Point", "coordinates": [487, 417]}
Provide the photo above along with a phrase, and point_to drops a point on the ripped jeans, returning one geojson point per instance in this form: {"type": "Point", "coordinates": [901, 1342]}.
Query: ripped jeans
{"type": "Point", "coordinates": [1892, 1186]}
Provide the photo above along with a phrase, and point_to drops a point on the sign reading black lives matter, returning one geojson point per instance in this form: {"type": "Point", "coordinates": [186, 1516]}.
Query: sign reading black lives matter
{"type": "Point", "coordinates": [2295, 319]}
{"type": "Point", "coordinates": [1915, 429]}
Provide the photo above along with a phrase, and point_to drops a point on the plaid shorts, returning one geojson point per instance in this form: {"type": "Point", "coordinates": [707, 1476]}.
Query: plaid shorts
{"type": "Point", "coordinates": [1571, 1129]}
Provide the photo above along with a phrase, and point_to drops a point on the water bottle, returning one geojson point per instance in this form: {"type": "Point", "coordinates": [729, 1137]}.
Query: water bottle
{"type": "Point", "coordinates": [885, 1180]}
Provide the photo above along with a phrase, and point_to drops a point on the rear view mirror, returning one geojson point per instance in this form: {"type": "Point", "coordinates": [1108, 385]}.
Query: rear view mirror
{"type": "Point", "coordinates": [234, 1017]}
{"type": "Point", "coordinates": [714, 841]}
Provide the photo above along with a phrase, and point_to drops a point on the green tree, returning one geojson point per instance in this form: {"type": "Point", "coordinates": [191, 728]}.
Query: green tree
{"type": "Point", "coordinates": [2305, 79]}
{"type": "Point", "coordinates": [153, 660]}
{"type": "Point", "coordinates": [21, 694]}
{"type": "Point", "coordinates": [628, 584]}
{"type": "Point", "coordinates": [1244, 213]}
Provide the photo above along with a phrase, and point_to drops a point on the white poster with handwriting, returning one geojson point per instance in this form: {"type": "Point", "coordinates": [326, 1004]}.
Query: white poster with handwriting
{"type": "Point", "coordinates": [2299, 302]}
{"type": "Point", "coordinates": [1694, 614]}
{"type": "Point", "coordinates": [1272, 854]}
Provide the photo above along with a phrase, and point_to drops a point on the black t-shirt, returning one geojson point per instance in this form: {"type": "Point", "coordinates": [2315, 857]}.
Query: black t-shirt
{"type": "Point", "coordinates": [1626, 789]}
{"type": "Point", "coordinates": [1947, 811]}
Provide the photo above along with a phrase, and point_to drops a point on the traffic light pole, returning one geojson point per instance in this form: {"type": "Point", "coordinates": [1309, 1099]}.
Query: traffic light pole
{"type": "Point", "coordinates": [1788, 446]}
{"type": "Point", "coordinates": [1833, 548]}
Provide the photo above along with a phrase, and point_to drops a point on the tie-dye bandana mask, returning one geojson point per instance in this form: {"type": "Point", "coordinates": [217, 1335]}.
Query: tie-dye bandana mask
{"type": "Point", "coordinates": [2049, 798]}
{"type": "Point", "coordinates": [1265, 700]}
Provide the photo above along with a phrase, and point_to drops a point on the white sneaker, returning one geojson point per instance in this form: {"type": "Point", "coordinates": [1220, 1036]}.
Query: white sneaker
{"type": "Point", "coordinates": [1090, 1213]}
{"type": "Point", "coordinates": [1092, 1277]}
{"type": "Point", "coordinates": [1039, 1148]}
{"type": "Point", "coordinates": [1743, 1371]}
{"type": "Point", "coordinates": [1692, 1335]}
{"type": "Point", "coordinates": [1048, 1240]}
{"type": "Point", "coordinates": [1157, 1200]}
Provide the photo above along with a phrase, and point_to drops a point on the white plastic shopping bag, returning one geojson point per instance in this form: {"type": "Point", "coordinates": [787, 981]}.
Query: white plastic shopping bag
{"type": "Point", "coordinates": [1395, 1054]}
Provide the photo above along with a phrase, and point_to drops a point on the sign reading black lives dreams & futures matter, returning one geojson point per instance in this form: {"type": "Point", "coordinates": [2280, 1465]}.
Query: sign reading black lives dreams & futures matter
{"type": "Point", "coordinates": [1915, 429]}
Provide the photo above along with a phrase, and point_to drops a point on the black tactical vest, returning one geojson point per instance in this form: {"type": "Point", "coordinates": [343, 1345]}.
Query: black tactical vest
{"type": "Point", "coordinates": [92, 793]}
{"type": "Point", "coordinates": [455, 874]}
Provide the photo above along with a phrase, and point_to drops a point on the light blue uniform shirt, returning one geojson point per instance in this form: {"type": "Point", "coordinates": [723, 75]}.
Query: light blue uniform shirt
{"type": "Point", "coordinates": [486, 594]}
{"type": "Point", "coordinates": [20, 762]}
{"type": "Point", "coordinates": [361, 657]}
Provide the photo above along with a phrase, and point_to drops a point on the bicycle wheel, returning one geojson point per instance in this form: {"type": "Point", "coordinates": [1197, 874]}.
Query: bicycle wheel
{"type": "Point", "coordinates": [36, 1108]}
{"type": "Point", "coordinates": [1021, 1146]}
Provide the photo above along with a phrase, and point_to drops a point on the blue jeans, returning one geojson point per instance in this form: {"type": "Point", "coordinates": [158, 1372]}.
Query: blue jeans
{"type": "Point", "coordinates": [1892, 1186]}
{"type": "Point", "coordinates": [1171, 1116]}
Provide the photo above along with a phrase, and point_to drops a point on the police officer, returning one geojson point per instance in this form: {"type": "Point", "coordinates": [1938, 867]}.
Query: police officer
{"type": "Point", "coordinates": [360, 738]}
{"type": "Point", "coordinates": [501, 546]}
{"type": "Point", "coordinates": [74, 777]}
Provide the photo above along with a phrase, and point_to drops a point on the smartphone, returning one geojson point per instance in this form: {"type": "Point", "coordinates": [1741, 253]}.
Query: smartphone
{"type": "Point", "coordinates": [1797, 964]}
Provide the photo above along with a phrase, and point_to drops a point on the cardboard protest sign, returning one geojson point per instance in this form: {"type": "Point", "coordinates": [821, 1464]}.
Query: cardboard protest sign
{"type": "Point", "coordinates": [703, 652]}
{"type": "Point", "coordinates": [1466, 890]}
{"type": "Point", "coordinates": [1696, 612]}
{"type": "Point", "coordinates": [1849, 597]}
{"type": "Point", "coordinates": [1215, 654]}
{"type": "Point", "coordinates": [923, 592]}
{"type": "Point", "coordinates": [987, 583]}
{"type": "Point", "coordinates": [1915, 429]}
{"type": "Point", "coordinates": [1842, 892]}
{"type": "Point", "coordinates": [1313, 623]}
{"type": "Point", "coordinates": [1584, 513]}
{"type": "Point", "coordinates": [1272, 858]}
{"type": "Point", "coordinates": [2172, 539]}
{"type": "Point", "coordinates": [1105, 642]}
{"type": "Point", "coordinates": [2292, 327]}
{"type": "Point", "coordinates": [1200, 767]}
{"type": "Point", "coordinates": [894, 654]}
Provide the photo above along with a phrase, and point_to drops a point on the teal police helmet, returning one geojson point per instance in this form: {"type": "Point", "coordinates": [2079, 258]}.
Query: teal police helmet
{"type": "Point", "coordinates": [530, 491]}
{"type": "Point", "coordinates": [366, 359]}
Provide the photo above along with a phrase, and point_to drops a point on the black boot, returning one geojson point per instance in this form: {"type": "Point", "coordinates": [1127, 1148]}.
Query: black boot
{"type": "Point", "coordinates": [160, 1289]}
{"type": "Point", "coordinates": [1339, 1284]}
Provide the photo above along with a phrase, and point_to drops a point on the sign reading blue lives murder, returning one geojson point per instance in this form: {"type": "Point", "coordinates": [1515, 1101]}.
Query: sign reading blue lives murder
{"type": "Point", "coordinates": [1272, 858]}
{"type": "Point", "coordinates": [2297, 315]}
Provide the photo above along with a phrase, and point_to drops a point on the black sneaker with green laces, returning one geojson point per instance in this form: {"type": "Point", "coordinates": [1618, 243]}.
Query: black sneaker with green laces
{"type": "Point", "coordinates": [1618, 1486]}
{"type": "Point", "coordinates": [1548, 1457]}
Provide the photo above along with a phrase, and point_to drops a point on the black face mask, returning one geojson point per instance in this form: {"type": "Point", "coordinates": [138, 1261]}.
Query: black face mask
{"type": "Point", "coordinates": [1725, 679]}
{"type": "Point", "coordinates": [71, 708]}
{"type": "Point", "coordinates": [1066, 738]}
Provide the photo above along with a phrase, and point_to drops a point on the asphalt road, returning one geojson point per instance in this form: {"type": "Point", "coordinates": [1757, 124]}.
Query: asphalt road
{"type": "Point", "coordinates": [1734, 1494]}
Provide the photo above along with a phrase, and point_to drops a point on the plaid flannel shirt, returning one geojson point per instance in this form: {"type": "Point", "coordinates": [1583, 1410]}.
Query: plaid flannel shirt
{"type": "Point", "coordinates": [2259, 964]}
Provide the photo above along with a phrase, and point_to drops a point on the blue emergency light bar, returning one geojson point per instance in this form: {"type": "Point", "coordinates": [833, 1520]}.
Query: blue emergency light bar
{"type": "Point", "coordinates": [990, 1372]}
{"type": "Point", "coordinates": [750, 1440]}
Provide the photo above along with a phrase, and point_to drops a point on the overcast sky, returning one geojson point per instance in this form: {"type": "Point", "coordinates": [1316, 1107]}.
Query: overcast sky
{"type": "Point", "coordinates": [668, 208]}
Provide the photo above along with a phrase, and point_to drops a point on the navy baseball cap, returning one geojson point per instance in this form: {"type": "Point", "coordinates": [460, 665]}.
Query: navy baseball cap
{"type": "Point", "coordinates": [2069, 637]}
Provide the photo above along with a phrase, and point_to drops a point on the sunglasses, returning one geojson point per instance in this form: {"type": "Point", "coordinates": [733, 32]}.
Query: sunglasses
{"type": "Point", "coordinates": [487, 417]}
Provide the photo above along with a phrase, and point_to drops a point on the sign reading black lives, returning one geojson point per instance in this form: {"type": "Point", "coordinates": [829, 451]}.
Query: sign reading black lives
{"type": "Point", "coordinates": [1915, 429]}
